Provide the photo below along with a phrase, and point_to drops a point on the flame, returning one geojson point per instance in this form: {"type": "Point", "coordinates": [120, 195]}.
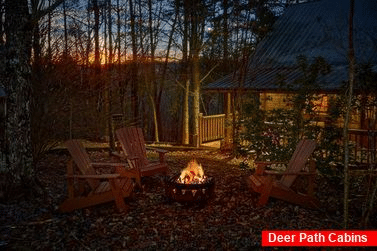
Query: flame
{"type": "Point", "coordinates": [192, 174]}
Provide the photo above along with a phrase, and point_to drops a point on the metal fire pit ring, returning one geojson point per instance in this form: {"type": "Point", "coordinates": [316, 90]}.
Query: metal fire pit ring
{"type": "Point", "coordinates": [188, 193]}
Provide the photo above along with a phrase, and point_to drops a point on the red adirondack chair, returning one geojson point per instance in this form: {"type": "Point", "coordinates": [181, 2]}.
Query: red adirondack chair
{"type": "Point", "coordinates": [89, 188]}
{"type": "Point", "coordinates": [265, 182]}
{"type": "Point", "coordinates": [133, 145]}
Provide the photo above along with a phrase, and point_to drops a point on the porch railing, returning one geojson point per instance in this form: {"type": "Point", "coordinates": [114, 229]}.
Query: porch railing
{"type": "Point", "coordinates": [363, 146]}
{"type": "Point", "coordinates": [211, 127]}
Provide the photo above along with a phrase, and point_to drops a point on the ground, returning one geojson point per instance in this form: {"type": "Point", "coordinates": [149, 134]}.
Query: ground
{"type": "Point", "coordinates": [229, 221]}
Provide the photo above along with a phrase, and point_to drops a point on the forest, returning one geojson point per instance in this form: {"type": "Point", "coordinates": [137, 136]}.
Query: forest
{"type": "Point", "coordinates": [73, 62]}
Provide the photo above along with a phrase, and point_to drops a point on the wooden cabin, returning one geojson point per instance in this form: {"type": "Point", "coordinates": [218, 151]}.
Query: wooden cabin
{"type": "Point", "coordinates": [313, 29]}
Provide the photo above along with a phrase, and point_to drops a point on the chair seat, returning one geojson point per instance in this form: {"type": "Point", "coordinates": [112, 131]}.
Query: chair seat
{"type": "Point", "coordinates": [153, 168]}
{"type": "Point", "coordinates": [102, 187]}
{"type": "Point", "coordinates": [255, 182]}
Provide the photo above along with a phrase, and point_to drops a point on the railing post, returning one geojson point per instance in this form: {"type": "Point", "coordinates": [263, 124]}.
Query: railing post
{"type": "Point", "coordinates": [201, 131]}
{"type": "Point", "coordinates": [227, 124]}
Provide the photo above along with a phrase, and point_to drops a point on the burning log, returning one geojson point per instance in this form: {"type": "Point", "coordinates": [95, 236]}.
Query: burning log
{"type": "Point", "coordinates": [191, 185]}
{"type": "Point", "coordinates": [192, 174]}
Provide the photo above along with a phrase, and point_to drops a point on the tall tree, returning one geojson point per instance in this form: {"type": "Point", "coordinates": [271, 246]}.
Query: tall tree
{"type": "Point", "coordinates": [16, 78]}
{"type": "Point", "coordinates": [65, 51]}
{"type": "Point", "coordinates": [351, 79]}
{"type": "Point", "coordinates": [49, 50]}
{"type": "Point", "coordinates": [89, 34]}
{"type": "Point", "coordinates": [119, 36]}
{"type": "Point", "coordinates": [2, 13]}
{"type": "Point", "coordinates": [108, 100]}
{"type": "Point", "coordinates": [97, 63]}
{"type": "Point", "coordinates": [152, 72]}
{"type": "Point", "coordinates": [134, 68]}
{"type": "Point", "coordinates": [225, 35]}
{"type": "Point", "coordinates": [197, 19]}
{"type": "Point", "coordinates": [185, 73]}
{"type": "Point", "coordinates": [17, 82]}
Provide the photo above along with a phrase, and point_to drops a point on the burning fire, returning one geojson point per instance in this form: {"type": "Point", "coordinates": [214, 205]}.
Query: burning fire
{"type": "Point", "coordinates": [192, 174]}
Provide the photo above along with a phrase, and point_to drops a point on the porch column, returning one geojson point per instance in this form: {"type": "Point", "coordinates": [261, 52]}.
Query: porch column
{"type": "Point", "coordinates": [228, 117]}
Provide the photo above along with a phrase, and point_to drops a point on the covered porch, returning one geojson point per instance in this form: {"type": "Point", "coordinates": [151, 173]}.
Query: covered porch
{"type": "Point", "coordinates": [219, 127]}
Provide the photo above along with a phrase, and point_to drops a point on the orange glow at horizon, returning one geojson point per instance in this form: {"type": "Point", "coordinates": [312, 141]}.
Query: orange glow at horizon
{"type": "Point", "coordinates": [128, 58]}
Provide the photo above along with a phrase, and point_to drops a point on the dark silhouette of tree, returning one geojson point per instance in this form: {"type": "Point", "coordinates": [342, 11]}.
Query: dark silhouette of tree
{"type": "Point", "coordinates": [16, 79]}
{"type": "Point", "coordinates": [351, 79]}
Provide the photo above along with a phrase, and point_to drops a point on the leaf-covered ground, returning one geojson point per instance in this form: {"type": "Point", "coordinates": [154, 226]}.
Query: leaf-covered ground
{"type": "Point", "coordinates": [229, 221]}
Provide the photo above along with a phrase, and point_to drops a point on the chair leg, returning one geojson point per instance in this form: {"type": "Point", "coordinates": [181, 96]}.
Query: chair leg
{"type": "Point", "coordinates": [119, 201]}
{"type": "Point", "coordinates": [266, 192]}
{"type": "Point", "coordinates": [138, 181]}
{"type": "Point", "coordinates": [312, 168]}
{"type": "Point", "coordinates": [70, 181]}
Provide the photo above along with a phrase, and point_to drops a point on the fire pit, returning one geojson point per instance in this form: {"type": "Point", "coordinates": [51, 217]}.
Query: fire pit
{"type": "Point", "coordinates": [191, 185]}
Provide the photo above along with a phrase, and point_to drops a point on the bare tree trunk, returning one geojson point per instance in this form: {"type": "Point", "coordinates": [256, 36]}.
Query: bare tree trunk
{"type": "Point", "coordinates": [2, 14]}
{"type": "Point", "coordinates": [97, 57]}
{"type": "Point", "coordinates": [134, 69]}
{"type": "Point", "coordinates": [96, 38]}
{"type": "Point", "coordinates": [88, 41]}
{"type": "Point", "coordinates": [170, 41]}
{"type": "Point", "coordinates": [226, 36]}
{"type": "Point", "coordinates": [196, 98]}
{"type": "Point", "coordinates": [351, 76]}
{"type": "Point", "coordinates": [105, 50]}
{"type": "Point", "coordinates": [124, 81]}
{"type": "Point", "coordinates": [165, 68]}
{"type": "Point", "coordinates": [118, 31]}
{"type": "Point", "coordinates": [152, 80]}
{"type": "Point", "coordinates": [119, 65]}
{"type": "Point", "coordinates": [36, 45]}
{"type": "Point", "coordinates": [154, 112]}
{"type": "Point", "coordinates": [185, 115]}
{"type": "Point", "coordinates": [18, 29]}
{"type": "Point", "coordinates": [195, 44]}
{"type": "Point", "coordinates": [108, 101]}
{"type": "Point", "coordinates": [65, 52]}
{"type": "Point", "coordinates": [110, 33]}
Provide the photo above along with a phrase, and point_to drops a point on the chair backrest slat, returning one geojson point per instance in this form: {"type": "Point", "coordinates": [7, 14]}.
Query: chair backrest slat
{"type": "Point", "coordinates": [82, 160]}
{"type": "Point", "coordinates": [132, 142]}
{"type": "Point", "coordinates": [299, 158]}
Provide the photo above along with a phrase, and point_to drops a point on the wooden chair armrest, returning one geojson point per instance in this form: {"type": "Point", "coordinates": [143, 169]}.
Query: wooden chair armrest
{"type": "Point", "coordinates": [104, 164]}
{"type": "Point", "coordinates": [272, 172]}
{"type": "Point", "coordinates": [124, 157]}
{"type": "Point", "coordinates": [118, 155]}
{"type": "Point", "coordinates": [161, 154]}
{"type": "Point", "coordinates": [130, 173]}
{"type": "Point", "coordinates": [261, 166]}
{"type": "Point", "coordinates": [99, 176]}
{"type": "Point", "coordinates": [132, 157]}
{"type": "Point", "coordinates": [301, 173]}
{"type": "Point", "coordinates": [161, 151]}
{"type": "Point", "coordinates": [265, 163]}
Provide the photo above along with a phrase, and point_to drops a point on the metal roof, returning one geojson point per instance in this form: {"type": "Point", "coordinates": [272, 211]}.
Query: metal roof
{"type": "Point", "coordinates": [311, 29]}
